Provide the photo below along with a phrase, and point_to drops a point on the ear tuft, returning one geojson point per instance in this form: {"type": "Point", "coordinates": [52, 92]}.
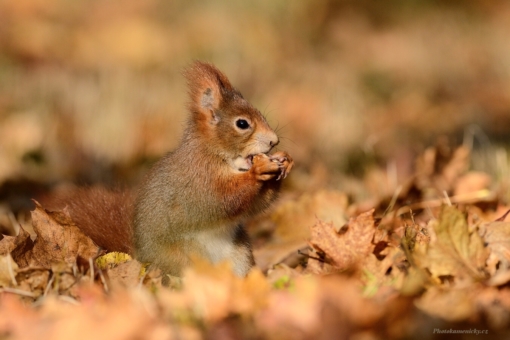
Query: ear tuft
{"type": "Point", "coordinates": [207, 87]}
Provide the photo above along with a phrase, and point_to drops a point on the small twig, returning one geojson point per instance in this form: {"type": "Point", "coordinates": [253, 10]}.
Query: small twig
{"type": "Point", "coordinates": [11, 271]}
{"type": "Point", "coordinates": [447, 198]}
{"type": "Point", "coordinates": [103, 280]}
{"type": "Point", "coordinates": [48, 286]}
{"type": "Point", "coordinates": [310, 256]}
{"type": "Point", "coordinates": [91, 264]}
{"type": "Point", "coordinates": [393, 200]}
{"type": "Point", "coordinates": [502, 218]}
{"type": "Point", "coordinates": [412, 216]}
{"type": "Point", "coordinates": [17, 291]}
{"type": "Point", "coordinates": [140, 283]}
{"type": "Point", "coordinates": [474, 196]}
{"type": "Point", "coordinates": [69, 300]}
{"type": "Point", "coordinates": [28, 269]}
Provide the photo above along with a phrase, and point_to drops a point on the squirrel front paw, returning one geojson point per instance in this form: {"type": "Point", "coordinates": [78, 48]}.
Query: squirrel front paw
{"type": "Point", "coordinates": [276, 166]}
{"type": "Point", "coordinates": [285, 161]}
{"type": "Point", "coordinates": [264, 168]}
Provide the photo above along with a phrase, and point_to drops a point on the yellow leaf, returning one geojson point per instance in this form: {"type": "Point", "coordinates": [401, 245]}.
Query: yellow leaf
{"type": "Point", "coordinates": [112, 259]}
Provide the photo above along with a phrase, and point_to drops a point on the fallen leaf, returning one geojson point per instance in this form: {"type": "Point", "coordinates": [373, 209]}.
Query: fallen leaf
{"type": "Point", "coordinates": [125, 314]}
{"type": "Point", "coordinates": [17, 246]}
{"type": "Point", "coordinates": [293, 220]}
{"type": "Point", "coordinates": [347, 247]}
{"type": "Point", "coordinates": [112, 259]}
{"type": "Point", "coordinates": [455, 251]}
{"type": "Point", "coordinates": [58, 239]}
{"type": "Point", "coordinates": [8, 269]}
{"type": "Point", "coordinates": [15, 316]}
{"type": "Point", "coordinates": [471, 182]}
{"type": "Point", "coordinates": [379, 272]}
{"type": "Point", "coordinates": [282, 276]}
{"type": "Point", "coordinates": [494, 303]}
{"type": "Point", "coordinates": [37, 280]}
{"type": "Point", "coordinates": [440, 167]}
{"type": "Point", "coordinates": [448, 304]}
{"type": "Point", "coordinates": [297, 309]}
{"type": "Point", "coordinates": [345, 294]}
{"type": "Point", "coordinates": [207, 289]}
{"type": "Point", "coordinates": [497, 237]}
{"type": "Point", "coordinates": [125, 274]}
{"type": "Point", "coordinates": [250, 294]}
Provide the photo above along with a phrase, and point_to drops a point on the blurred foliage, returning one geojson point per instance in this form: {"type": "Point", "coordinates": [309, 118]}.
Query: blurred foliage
{"type": "Point", "coordinates": [92, 91]}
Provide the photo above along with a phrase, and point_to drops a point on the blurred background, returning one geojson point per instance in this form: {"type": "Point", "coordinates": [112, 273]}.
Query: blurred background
{"type": "Point", "coordinates": [92, 91]}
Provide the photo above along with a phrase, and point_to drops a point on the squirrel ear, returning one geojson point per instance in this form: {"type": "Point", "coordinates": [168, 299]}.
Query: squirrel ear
{"type": "Point", "coordinates": [207, 88]}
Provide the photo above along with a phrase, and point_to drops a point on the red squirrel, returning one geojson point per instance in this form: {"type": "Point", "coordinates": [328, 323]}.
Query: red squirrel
{"type": "Point", "coordinates": [195, 200]}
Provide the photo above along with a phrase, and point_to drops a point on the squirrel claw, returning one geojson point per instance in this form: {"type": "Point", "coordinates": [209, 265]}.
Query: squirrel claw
{"type": "Point", "coordinates": [284, 161]}
{"type": "Point", "coordinates": [280, 175]}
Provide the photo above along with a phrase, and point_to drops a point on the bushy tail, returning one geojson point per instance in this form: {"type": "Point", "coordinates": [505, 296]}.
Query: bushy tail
{"type": "Point", "coordinates": [102, 214]}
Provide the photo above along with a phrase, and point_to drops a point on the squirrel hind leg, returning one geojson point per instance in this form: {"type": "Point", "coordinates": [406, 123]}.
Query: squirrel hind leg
{"type": "Point", "coordinates": [170, 258]}
{"type": "Point", "coordinates": [242, 255]}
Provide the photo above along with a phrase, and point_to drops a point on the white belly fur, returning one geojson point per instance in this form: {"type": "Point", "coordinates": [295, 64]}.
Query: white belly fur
{"type": "Point", "coordinates": [218, 243]}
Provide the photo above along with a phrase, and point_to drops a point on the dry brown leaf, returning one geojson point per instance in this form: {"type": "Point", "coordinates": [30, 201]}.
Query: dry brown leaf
{"type": "Point", "coordinates": [58, 239]}
{"type": "Point", "coordinates": [495, 304]}
{"type": "Point", "coordinates": [346, 295]}
{"type": "Point", "coordinates": [207, 289]}
{"type": "Point", "coordinates": [15, 316]}
{"type": "Point", "coordinates": [250, 295]}
{"type": "Point", "coordinates": [126, 274]}
{"type": "Point", "coordinates": [213, 291]}
{"type": "Point", "coordinates": [36, 281]}
{"type": "Point", "coordinates": [17, 246]}
{"type": "Point", "coordinates": [123, 315]}
{"type": "Point", "coordinates": [439, 167]}
{"type": "Point", "coordinates": [65, 276]}
{"type": "Point", "coordinates": [281, 276]}
{"type": "Point", "coordinates": [153, 280]}
{"type": "Point", "coordinates": [298, 308]}
{"type": "Point", "coordinates": [318, 264]}
{"type": "Point", "coordinates": [497, 237]}
{"type": "Point", "coordinates": [449, 304]}
{"type": "Point", "coordinates": [347, 247]}
{"type": "Point", "coordinates": [293, 220]}
{"type": "Point", "coordinates": [454, 251]}
{"type": "Point", "coordinates": [385, 271]}
{"type": "Point", "coordinates": [8, 270]}
{"type": "Point", "coordinates": [471, 182]}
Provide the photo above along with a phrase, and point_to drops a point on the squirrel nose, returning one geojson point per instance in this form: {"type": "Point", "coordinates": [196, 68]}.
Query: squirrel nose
{"type": "Point", "coordinates": [274, 141]}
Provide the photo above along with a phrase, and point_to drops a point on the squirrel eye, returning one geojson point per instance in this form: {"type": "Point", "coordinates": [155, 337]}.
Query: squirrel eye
{"type": "Point", "coordinates": [242, 124]}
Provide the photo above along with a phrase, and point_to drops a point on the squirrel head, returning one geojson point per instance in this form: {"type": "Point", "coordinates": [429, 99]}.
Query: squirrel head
{"type": "Point", "coordinates": [232, 128]}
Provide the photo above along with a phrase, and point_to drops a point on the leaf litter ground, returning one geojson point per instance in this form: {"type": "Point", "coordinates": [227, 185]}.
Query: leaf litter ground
{"type": "Point", "coordinates": [435, 256]}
